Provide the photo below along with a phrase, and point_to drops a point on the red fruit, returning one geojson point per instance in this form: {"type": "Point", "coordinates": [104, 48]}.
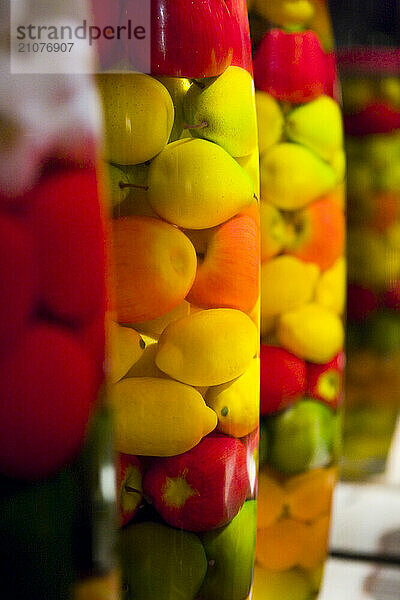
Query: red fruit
{"type": "Point", "coordinates": [93, 339]}
{"type": "Point", "coordinates": [324, 382]}
{"type": "Point", "coordinates": [228, 274]}
{"type": "Point", "coordinates": [18, 279]}
{"type": "Point", "coordinates": [361, 302]}
{"type": "Point", "coordinates": [292, 67]}
{"type": "Point", "coordinates": [332, 87]}
{"type": "Point", "coordinates": [242, 47]}
{"type": "Point", "coordinates": [377, 117]}
{"type": "Point", "coordinates": [129, 487]}
{"type": "Point", "coordinates": [250, 442]}
{"type": "Point", "coordinates": [67, 223]}
{"type": "Point", "coordinates": [319, 233]}
{"type": "Point", "coordinates": [391, 297]}
{"type": "Point", "coordinates": [283, 378]}
{"type": "Point", "coordinates": [188, 39]}
{"type": "Point", "coordinates": [203, 488]}
{"type": "Point", "coordinates": [47, 390]}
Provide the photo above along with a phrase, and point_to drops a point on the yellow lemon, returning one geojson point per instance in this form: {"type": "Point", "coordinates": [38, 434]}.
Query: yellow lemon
{"type": "Point", "coordinates": [311, 332]}
{"type": "Point", "coordinates": [237, 402]}
{"type": "Point", "coordinates": [286, 283]}
{"type": "Point", "coordinates": [209, 347]}
{"type": "Point", "coordinates": [126, 349]}
{"type": "Point", "coordinates": [159, 417]}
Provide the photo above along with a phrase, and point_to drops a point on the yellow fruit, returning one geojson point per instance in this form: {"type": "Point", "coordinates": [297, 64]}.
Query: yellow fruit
{"type": "Point", "coordinates": [280, 546]}
{"type": "Point", "coordinates": [293, 176]}
{"type": "Point", "coordinates": [223, 111]}
{"type": "Point", "coordinates": [331, 287]}
{"type": "Point", "coordinates": [156, 326]}
{"type": "Point", "coordinates": [208, 347]}
{"type": "Point", "coordinates": [271, 500]}
{"type": "Point", "coordinates": [311, 332]}
{"type": "Point", "coordinates": [104, 587]}
{"type": "Point", "coordinates": [237, 402]}
{"type": "Point", "coordinates": [195, 184]}
{"type": "Point", "coordinates": [317, 125]}
{"type": "Point", "coordinates": [135, 105]}
{"type": "Point", "coordinates": [286, 12]}
{"type": "Point", "coordinates": [309, 495]}
{"type": "Point", "coordinates": [270, 121]}
{"type": "Point", "coordinates": [278, 585]}
{"type": "Point", "coordinates": [286, 283]}
{"type": "Point", "coordinates": [126, 349]}
{"type": "Point", "coordinates": [251, 164]}
{"type": "Point", "coordinates": [274, 231]}
{"type": "Point", "coordinates": [158, 417]}
{"type": "Point", "coordinates": [146, 365]}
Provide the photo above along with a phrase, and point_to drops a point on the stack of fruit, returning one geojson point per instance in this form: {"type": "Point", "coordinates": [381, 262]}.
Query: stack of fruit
{"type": "Point", "coordinates": [372, 122]}
{"type": "Point", "coordinates": [182, 158]}
{"type": "Point", "coordinates": [302, 296]}
{"type": "Point", "coordinates": [52, 261]}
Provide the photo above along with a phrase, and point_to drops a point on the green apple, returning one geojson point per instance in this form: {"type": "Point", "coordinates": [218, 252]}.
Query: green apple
{"type": "Point", "coordinates": [230, 555]}
{"type": "Point", "coordinates": [118, 184]}
{"type": "Point", "coordinates": [161, 563]}
{"type": "Point", "coordinates": [302, 437]}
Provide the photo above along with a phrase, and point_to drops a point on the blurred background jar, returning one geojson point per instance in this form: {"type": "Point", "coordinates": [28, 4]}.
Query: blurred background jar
{"type": "Point", "coordinates": [57, 490]}
{"type": "Point", "coordinates": [369, 62]}
{"type": "Point", "coordinates": [302, 206]}
{"type": "Point", "coordinates": [181, 159]}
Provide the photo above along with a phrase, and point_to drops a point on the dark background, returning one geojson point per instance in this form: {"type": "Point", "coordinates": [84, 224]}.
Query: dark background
{"type": "Point", "coordinates": [375, 22]}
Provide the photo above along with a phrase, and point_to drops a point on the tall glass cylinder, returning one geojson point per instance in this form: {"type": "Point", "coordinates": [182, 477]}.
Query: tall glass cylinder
{"type": "Point", "coordinates": [181, 156]}
{"type": "Point", "coordinates": [371, 95]}
{"type": "Point", "coordinates": [57, 495]}
{"type": "Point", "coordinates": [302, 171]}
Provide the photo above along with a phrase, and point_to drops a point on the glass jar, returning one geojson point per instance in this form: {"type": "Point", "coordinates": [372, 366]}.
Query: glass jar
{"type": "Point", "coordinates": [57, 495]}
{"type": "Point", "coordinates": [302, 170]}
{"type": "Point", "coordinates": [371, 96]}
{"type": "Point", "coordinates": [181, 157]}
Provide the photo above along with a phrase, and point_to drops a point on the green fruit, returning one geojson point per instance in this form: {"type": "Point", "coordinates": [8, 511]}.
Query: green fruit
{"type": "Point", "coordinates": [302, 437]}
{"type": "Point", "coordinates": [177, 87]}
{"type": "Point", "coordinates": [137, 199]}
{"type": "Point", "coordinates": [138, 114]}
{"type": "Point", "coordinates": [161, 563]}
{"type": "Point", "coordinates": [195, 184]}
{"type": "Point", "coordinates": [382, 333]}
{"type": "Point", "coordinates": [317, 125]}
{"type": "Point", "coordinates": [292, 176]}
{"type": "Point", "coordinates": [223, 111]}
{"type": "Point", "coordinates": [230, 555]}
{"type": "Point", "coordinates": [263, 443]}
{"type": "Point", "coordinates": [37, 523]}
{"type": "Point", "coordinates": [281, 585]}
{"type": "Point", "coordinates": [118, 182]}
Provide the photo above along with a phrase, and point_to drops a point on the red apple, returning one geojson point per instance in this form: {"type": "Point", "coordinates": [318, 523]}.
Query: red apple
{"type": "Point", "coordinates": [18, 272]}
{"type": "Point", "coordinates": [283, 378]}
{"type": "Point", "coordinates": [391, 297]}
{"type": "Point", "coordinates": [361, 302]}
{"type": "Point", "coordinates": [325, 382]}
{"type": "Point", "coordinates": [203, 488]}
{"type": "Point", "coordinates": [250, 442]}
{"type": "Point", "coordinates": [48, 387]}
{"type": "Point", "coordinates": [242, 47]}
{"type": "Point", "coordinates": [66, 220]}
{"type": "Point", "coordinates": [376, 117]}
{"type": "Point", "coordinates": [188, 39]}
{"type": "Point", "coordinates": [292, 67]}
{"type": "Point", "coordinates": [228, 266]}
{"type": "Point", "coordinates": [318, 233]}
{"type": "Point", "coordinates": [129, 487]}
